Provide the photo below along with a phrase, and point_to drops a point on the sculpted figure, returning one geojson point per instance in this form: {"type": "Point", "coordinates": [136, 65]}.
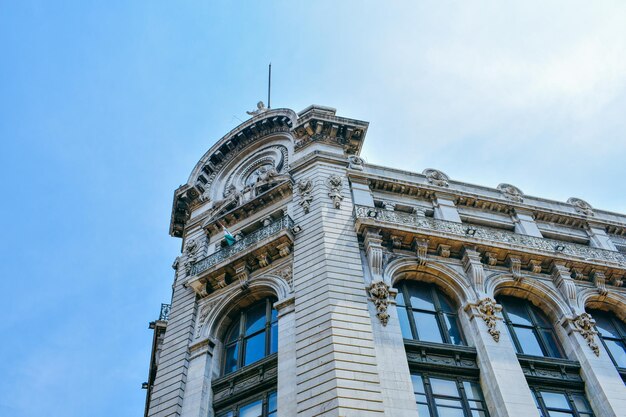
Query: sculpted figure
{"type": "Point", "coordinates": [260, 108]}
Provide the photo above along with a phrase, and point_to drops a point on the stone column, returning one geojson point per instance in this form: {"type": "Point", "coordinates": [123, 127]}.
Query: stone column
{"type": "Point", "coordinates": [603, 385]}
{"type": "Point", "coordinates": [198, 394]}
{"type": "Point", "coordinates": [502, 379]}
{"type": "Point", "coordinates": [287, 405]}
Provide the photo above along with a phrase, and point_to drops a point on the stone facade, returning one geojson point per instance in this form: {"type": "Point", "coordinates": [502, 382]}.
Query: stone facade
{"type": "Point", "coordinates": [329, 237]}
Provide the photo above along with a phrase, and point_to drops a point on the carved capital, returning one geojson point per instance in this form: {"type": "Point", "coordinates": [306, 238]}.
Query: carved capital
{"type": "Point", "coordinates": [515, 266]}
{"type": "Point", "coordinates": [599, 280]}
{"type": "Point", "coordinates": [421, 250]}
{"type": "Point", "coordinates": [374, 251]}
{"type": "Point", "coordinates": [379, 293]}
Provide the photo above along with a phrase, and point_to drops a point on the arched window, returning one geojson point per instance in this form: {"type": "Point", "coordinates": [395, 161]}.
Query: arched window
{"type": "Point", "coordinates": [426, 314]}
{"type": "Point", "coordinates": [612, 332]}
{"type": "Point", "coordinates": [252, 336]}
{"type": "Point", "coordinates": [530, 330]}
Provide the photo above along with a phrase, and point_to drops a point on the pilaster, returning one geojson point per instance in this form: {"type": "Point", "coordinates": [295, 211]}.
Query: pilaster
{"type": "Point", "coordinates": [525, 223]}
{"type": "Point", "coordinates": [287, 391]}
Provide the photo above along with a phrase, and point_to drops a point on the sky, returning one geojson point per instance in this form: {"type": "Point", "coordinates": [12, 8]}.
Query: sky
{"type": "Point", "coordinates": [106, 106]}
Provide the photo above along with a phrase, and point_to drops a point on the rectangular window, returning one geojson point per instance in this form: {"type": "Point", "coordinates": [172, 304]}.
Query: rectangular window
{"type": "Point", "coordinates": [443, 396]}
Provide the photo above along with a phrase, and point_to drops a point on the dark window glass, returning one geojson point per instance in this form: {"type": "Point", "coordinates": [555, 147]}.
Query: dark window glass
{"type": "Point", "coordinates": [437, 396]}
{"type": "Point", "coordinates": [612, 332]}
{"type": "Point", "coordinates": [426, 314]}
{"type": "Point", "coordinates": [264, 405]}
{"type": "Point", "coordinates": [559, 403]}
{"type": "Point", "coordinates": [529, 328]}
{"type": "Point", "coordinates": [252, 336]}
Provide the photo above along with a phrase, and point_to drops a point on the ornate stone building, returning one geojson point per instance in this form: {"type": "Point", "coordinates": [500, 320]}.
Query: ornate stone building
{"type": "Point", "coordinates": [351, 289]}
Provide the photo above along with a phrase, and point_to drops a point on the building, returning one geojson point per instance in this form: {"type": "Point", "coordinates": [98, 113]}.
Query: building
{"type": "Point", "coordinates": [311, 283]}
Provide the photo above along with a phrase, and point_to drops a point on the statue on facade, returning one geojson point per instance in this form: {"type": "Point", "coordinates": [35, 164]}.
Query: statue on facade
{"type": "Point", "coordinates": [260, 108]}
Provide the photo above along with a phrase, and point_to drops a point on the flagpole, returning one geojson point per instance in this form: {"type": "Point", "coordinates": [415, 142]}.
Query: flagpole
{"type": "Point", "coordinates": [269, 87]}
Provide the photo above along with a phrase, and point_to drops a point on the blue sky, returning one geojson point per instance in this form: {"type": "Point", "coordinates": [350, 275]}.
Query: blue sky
{"type": "Point", "coordinates": [105, 107]}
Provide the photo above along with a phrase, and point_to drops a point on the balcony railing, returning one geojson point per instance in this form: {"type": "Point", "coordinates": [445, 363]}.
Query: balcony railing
{"type": "Point", "coordinates": [164, 315]}
{"type": "Point", "coordinates": [258, 235]}
{"type": "Point", "coordinates": [486, 234]}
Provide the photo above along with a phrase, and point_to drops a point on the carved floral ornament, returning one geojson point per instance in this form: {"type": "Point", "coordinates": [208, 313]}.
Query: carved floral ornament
{"type": "Point", "coordinates": [355, 162]}
{"type": "Point", "coordinates": [304, 188]}
{"type": "Point", "coordinates": [487, 309]}
{"type": "Point", "coordinates": [334, 183]}
{"type": "Point", "coordinates": [436, 177]}
{"type": "Point", "coordinates": [379, 292]}
{"type": "Point", "coordinates": [584, 324]}
{"type": "Point", "coordinates": [511, 192]}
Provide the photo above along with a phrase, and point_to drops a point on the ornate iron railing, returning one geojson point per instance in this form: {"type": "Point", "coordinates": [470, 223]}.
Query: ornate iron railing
{"type": "Point", "coordinates": [258, 235]}
{"type": "Point", "coordinates": [165, 312]}
{"type": "Point", "coordinates": [474, 232]}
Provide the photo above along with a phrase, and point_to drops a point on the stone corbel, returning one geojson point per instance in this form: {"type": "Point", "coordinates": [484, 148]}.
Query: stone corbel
{"type": "Point", "coordinates": [583, 324]}
{"type": "Point", "coordinates": [284, 249]}
{"type": "Point", "coordinates": [577, 274]}
{"type": "Point", "coordinates": [443, 250]}
{"type": "Point", "coordinates": [535, 266]}
{"type": "Point", "coordinates": [388, 205]}
{"type": "Point", "coordinates": [515, 266]}
{"type": "Point", "coordinates": [487, 309]}
{"type": "Point", "coordinates": [380, 296]}
{"type": "Point", "coordinates": [374, 251]}
{"type": "Point", "coordinates": [599, 280]}
{"type": "Point", "coordinates": [617, 280]}
{"type": "Point", "coordinates": [491, 258]}
{"type": "Point", "coordinates": [263, 259]}
{"type": "Point", "coordinates": [421, 250]}
{"type": "Point", "coordinates": [474, 269]}
{"type": "Point", "coordinates": [565, 284]}
{"type": "Point", "coordinates": [242, 274]}
{"type": "Point", "coordinates": [396, 242]}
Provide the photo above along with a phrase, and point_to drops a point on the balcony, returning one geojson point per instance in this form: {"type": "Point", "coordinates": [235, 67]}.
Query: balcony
{"type": "Point", "coordinates": [256, 250]}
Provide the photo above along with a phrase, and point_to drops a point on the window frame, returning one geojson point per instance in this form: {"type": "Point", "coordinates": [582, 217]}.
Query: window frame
{"type": "Point", "coordinates": [545, 410]}
{"type": "Point", "coordinates": [439, 313]}
{"type": "Point", "coordinates": [619, 326]}
{"type": "Point", "coordinates": [459, 382]}
{"type": "Point", "coordinates": [537, 328]}
{"type": "Point", "coordinates": [241, 342]}
{"type": "Point", "coordinates": [235, 408]}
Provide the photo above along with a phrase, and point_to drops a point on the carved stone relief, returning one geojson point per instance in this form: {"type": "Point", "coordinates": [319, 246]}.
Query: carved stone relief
{"type": "Point", "coordinates": [515, 266]}
{"type": "Point", "coordinates": [488, 309]}
{"type": "Point", "coordinates": [379, 292]}
{"type": "Point", "coordinates": [511, 192]}
{"type": "Point", "coordinates": [599, 279]}
{"type": "Point", "coordinates": [436, 177]}
{"type": "Point", "coordinates": [565, 284]}
{"type": "Point", "coordinates": [584, 324]}
{"type": "Point", "coordinates": [474, 269]}
{"type": "Point", "coordinates": [421, 250]}
{"type": "Point", "coordinates": [581, 206]}
{"type": "Point", "coordinates": [355, 162]}
{"type": "Point", "coordinates": [334, 184]}
{"type": "Point", "coordinates": [304, 187]}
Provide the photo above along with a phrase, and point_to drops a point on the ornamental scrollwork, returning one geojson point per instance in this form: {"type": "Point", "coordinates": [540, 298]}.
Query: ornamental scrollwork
{"type": "Point", "coordinates": [379, 292]}
{"type": "Point", "coordinates": [436, 177]}
{"type": "Point", "coordinates": [355, 162]}
{"type": "Point", "coordinates": [581, 206]}
{"type": "Point", "coordinates": [488, 309]}
{"type": "Point", "coordinates": [334, 183]}
{"type": "Point", "coordinates": [584, 324]}
{"type": "Point", "coordinates": [304, 187]}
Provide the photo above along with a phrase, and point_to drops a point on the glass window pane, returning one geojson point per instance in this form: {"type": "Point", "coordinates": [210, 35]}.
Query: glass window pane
{"type": "Point", "coordinates": [517, 311]}
{"type": "Point", "coordinates": [542, 320]}
{"type": "Point", "coordinates": [552, 344]}
{"type": "Point", "coordinates": [230, 363]}
{"type": "Point", "coordinates": [559, 414]}
{"type": "Point", "coordinates": [421, 297]}
{"type": "Point", "coordinates": [405, 326]}
{"type": "Point", "coordinates": [274, 315]}
{"type": "Point", "coordinates": [555, 400]}
{"type": "Point", "coordinates": [427, 327]}
{"type": "Point", "coordinates": [400, 296]}
{"type": "Point", "coordinates": [233, 332]}
{"type": "Point", "coordinates": [618, 352]}
{"type": "Point", "coordinates": [478, 413]}
{"type": "Point", "coordinates": [447, 402]}
{"type": "Point", "coordinates": [255, 348]}
{"type": "Point", "coordinates": [445, 304]}
{"type": "Point", "coordinates": [252, 410]}
{"type": "Point", "coordinates": [226, 414]}
{"type": "Point", "coordinates": [423, 410]}
{"type": "Point", "coordinates": [272, 404]}
{"type": "Point", "coordinates": [274, 338]}
{"type": "Point", "coordinates": [450, 412]}
{"type": "Point", "coordinates": [453, 329]}
{"type": "Point", "coordinates": [528, 341]}
{"type": "Point", "coordinates": [444, 387]}
{"type": "Point", "coordinates": [472, 390]}
{"type": "Point", "coordinates": [605, 325]}
{"type": "Point", "coordinates": [418, 384]}
{"type": "Point", "coordinates": [255, 318]}
{"type": "Point", "coordinates": [581, 403]}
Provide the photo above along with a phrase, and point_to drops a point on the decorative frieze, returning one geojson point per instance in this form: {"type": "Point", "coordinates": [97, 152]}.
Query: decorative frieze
{"type": "Point", "coordinates": [304, 188]}
{"type": "Point", "coordinates": [379, 293]}
{"type": "Point", "coordinates": [334, 184]}
{"type": "Point", "coordinates": [493, 236]}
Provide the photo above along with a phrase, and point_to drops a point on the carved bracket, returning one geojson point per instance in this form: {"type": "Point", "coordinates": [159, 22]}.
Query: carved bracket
{"type": "Point", "coordinates": [564, 282]}
{"type": "Point", "coordinates": [374, 250]}
{"type": "Point", "coordinates": [599, 279]}
{"type": "Point", "coordinates": [421, 250]}
{"type": "Point", "coordinates": [379, 292]}
{"type": "Point", "coordinates": [334, 183]}
{"type": "Point", "coordinates": [515, 266]}
{"type": "Point", "coordinates": [474, 269]}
